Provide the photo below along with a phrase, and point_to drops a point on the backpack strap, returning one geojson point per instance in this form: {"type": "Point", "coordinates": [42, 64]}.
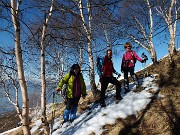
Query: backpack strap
{"type": "Point", "coordinates": [134, 58]}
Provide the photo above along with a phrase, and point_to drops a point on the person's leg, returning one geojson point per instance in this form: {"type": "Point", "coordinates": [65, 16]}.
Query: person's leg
{"type": "Point", "coordinates": [104, 84]}
{"type": "Point", "coordinates": [134, 76]}
{"type": "Point", "coordinates": [118, 87]}
{"type": "Point", "coordinates": [74, 109]}
{"type": "Point", "coordinates": [67, 111]}
{"type": "Point", "coordinates": [126, 80]}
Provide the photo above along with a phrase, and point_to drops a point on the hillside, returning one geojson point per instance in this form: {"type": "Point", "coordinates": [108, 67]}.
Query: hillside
{"type": "Point", "coordinates": [160, 116]}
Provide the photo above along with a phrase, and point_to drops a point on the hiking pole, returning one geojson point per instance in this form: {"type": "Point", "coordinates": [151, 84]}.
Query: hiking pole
{"type": "Point", "coordinates": [53, 113]}
{"type": "Point", "coordinates": [145, 58]}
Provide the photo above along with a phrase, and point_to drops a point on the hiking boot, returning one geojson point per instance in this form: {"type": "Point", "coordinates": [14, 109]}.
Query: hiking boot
{"type": "Point", "coordinates": [64, 122]}
{"type": "Point", "coordinates": [126, 91]}
{"type": "Point", "coordinates": [118, 99]}
{"type": "Point", "coordinates": [102, 104]}
{"type": "Point", "coordinates": [71, 120]}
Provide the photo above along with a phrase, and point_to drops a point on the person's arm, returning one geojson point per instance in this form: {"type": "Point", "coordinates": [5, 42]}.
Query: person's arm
{"type": "Point", "coordinates": [63, 81]}
{"type": "Point", "coordinates": [137, 57]}
{"type": "Point", "coordinates": [122, 67]}
{"type": "Point", "coordinates": [115, 72]}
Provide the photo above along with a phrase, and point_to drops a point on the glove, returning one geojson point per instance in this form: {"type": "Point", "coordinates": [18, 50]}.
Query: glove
{"type": "Point", "coordinates": [122, 68]}
{"type": "Point", "coordinates": [143, 61]}
{"type": "Point", "coordinates": [119, 75]}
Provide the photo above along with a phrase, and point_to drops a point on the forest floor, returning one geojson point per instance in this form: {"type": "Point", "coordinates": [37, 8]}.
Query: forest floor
{"type": "Point", "coordinates": [161, 116]}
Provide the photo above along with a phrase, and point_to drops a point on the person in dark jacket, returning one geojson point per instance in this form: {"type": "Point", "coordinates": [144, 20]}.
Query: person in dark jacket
{"type": "Point", "coordinates": [128, 64]}
{"type": "Point", "coordinates": [106, 77]}
{"type": "Point", "coordinates": [75, 89]}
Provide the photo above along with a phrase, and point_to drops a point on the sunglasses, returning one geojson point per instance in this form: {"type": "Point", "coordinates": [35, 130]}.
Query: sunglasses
{"type": "Point", "coordinates": [128, 46]}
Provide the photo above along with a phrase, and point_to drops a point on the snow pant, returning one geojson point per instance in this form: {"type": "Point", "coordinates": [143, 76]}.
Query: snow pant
{"type": "Point", "coordinates": [104, 83]}
{"type": "Point", "coordinates": [71, 109]}
{"type": "Point", "coordinates": [126, 70]}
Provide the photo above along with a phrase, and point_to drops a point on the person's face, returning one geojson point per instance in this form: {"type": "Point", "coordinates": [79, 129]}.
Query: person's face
{"type": "Point", "coordinates": [109, 54]}
{"type": "Point", "coordinates": [128, 47]}
{"type": "Point", "coordinates": [76, 70]}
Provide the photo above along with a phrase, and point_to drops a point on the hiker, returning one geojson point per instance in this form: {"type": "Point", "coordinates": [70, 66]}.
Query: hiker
{"type": "Point", "coordinates": [106, 77]}
{"type": "Point", "coordinates": [75, 89]}
{"type": "Point", "coordinates": [128, 64]}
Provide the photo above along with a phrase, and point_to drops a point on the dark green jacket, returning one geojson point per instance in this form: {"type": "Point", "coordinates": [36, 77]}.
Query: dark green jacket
{"type": "Point", "coordinates": [70, 85]}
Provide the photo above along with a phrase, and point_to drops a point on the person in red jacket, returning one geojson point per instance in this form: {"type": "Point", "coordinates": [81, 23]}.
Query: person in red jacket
{"type": "Point", "coordinates": [128, 64]}
{"type": "Point", "coordinates": [106, 77]}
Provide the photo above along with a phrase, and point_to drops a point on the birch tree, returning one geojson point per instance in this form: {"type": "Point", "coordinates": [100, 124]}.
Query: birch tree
{"type": "Point", "coordinates": [15, 103]}
{"type": "Point", "coordinates": [138, 25]}
{"type": "Point", "coordinates": [15, 10]}
{"type": "Point", "coordinates": [43, 74]}
{"type": "Point", "coordinates": [88, 29]}
{"type": "Point", "coordinates": [169, 11]}
{"type": "Point", "coordinates": [149, 45]}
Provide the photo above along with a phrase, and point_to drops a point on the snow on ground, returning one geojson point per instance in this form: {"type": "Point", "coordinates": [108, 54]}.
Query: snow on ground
{"type": "Point", "coordinates": [94, 119]}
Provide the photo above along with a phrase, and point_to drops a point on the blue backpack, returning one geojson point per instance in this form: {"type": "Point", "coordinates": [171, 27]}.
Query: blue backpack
{"type": "Point", "coordinates": [99, 65]}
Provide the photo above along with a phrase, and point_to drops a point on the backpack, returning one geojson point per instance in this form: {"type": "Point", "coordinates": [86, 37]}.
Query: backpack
{"type": "Point", "coordinates": [99, 65]}
{"type": "Point", "coordinates": [64, 91]}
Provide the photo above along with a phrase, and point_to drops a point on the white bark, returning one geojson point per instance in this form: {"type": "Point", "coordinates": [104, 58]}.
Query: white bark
{"type": "Point", "coordinates": [43, 70]}
{"type": "Point", "coordinates": [20, 69]}
{"type": "Point", "coordinates": [58, 66]}
{"type": "Point", "coordinates": [88, 30]}
{"type": "Point", "coordinates": [107, 38]}
{"type": "Point", "coordinates": [149, 46]}
{"type": "Point", "coordinates": [171, 23]}
{"type": "Point", "coordinates": [15, 103]}
{"type": "Point", "coordinates": [81, 57]}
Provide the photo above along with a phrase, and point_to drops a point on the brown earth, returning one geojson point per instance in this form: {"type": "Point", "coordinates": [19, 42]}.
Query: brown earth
{"type": "Point", "coordinates": [161, 116]}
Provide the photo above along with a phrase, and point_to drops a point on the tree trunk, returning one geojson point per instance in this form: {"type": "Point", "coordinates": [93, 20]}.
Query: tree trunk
{"type": "Point", "coordinates": [20, 69]}
{"type": "Point", "coordinates": [88, 30]}
{"type": "Point", "coordinates": [43, 73]}
{"type": "Point", "coordinates": [153, 55]}
{"type": "Point", "coordinates": [91, 73]}
{"type": "Point", "coordinates": [43, 83]}
{"type": "Point", "coordinates": [171, 21]}
{"type": "Point", "coordinates": [80, 57]}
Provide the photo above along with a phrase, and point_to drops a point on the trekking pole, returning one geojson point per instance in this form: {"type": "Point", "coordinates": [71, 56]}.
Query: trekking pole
{"type": "Point", "coordinates": [53, 112]}
{"type": "Point", "coordinates": [144, 64]}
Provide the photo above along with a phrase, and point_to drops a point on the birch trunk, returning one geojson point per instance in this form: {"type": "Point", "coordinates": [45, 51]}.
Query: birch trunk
{"type": "Point", "coordinates": [149, 46]}
{"type": "Point", "coordinates": [81, 57]}
{"type": "Point", "coordinates": [172, 25]}
{"type": "Point", "coordinates": [20, 69]}
{"type": "Point", "coordinates": [16, 104]}
{"type": "Point", "coordinates": [153, 53]}
{"type": "Point", "coordinates": [107, 38]}
{"type": "Point", "coordinates": [88, 30]}
{"type": "Point", "coordinates": [172, 29]}
{"type": "Point", "coordinates": [43, 73]}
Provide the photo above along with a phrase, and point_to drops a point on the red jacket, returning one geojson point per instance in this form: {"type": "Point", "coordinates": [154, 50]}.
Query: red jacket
{"type": "Point", "coordinates": [129, 59]}
{"type": "Point", "coordinates": [108, 68]}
